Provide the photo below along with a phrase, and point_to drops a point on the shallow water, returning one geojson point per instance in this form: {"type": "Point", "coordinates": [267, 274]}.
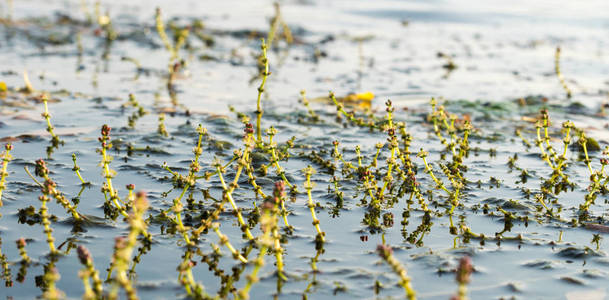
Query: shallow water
{"type": "Point", "coordinates": [502, 53]}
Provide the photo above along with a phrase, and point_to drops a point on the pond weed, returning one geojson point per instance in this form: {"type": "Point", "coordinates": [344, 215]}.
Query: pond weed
{"type": "Point", "coordinates": [352, 170]}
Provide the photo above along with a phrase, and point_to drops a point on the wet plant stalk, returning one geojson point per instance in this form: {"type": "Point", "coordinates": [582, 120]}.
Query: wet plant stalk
{"type": "Point", "coordinates": [539, 198]}
{"type": "Point", "coordinates": [228, 191]}
{"type": "Point", "coordinates": [47, 223]}
{"type": "Point", "coordinates": [193, 289]}
{"type": "Point", "coordinates": [595, 177]}
{"type": "Point", "coordinates": [546, 123]}
{"type": "Point", "coordinates": [6, 158]}
{"type": "Point", "coordinates": [275, 22]}
{"type": "Point", "coordinates": [386, 253]}
{"type": "Point", "coordinates": [55, 141]}
{"type": "Point", "coordinates": [561, 79]}
{"type": "Point", "coordinates": [224, 241]}
{"type": "Point", "coordinates": [463, 274]}
{"type": "Point", "coordinates": [265, 74]}
{"type": "Point", "coordinates": [583, 142]}
{"type": "Point", "coordinates": [190, 181]}
{"type": "Point", "coordinates": [428, 169]}
{"type": "Point", "coordinates": [162, 130]}
{"type": "Point", "coordinates": [268, 223]}
{"type": "Point", "coordinates": [339, 157]}
{"type": "Point", "coordinates": [369, 182]}
{"type": "Point", "coordinates": [340, 109]}
{"type": "Point", "coordinates": [393, 145]}
{"type": "Point", "coordinates": [89, 273]}
{"type": "Point", "coordinates": [305, 102]}
{"type": "Point", "coordinates": [22, 252]}
{"type": "Point", "coordinates": [106, 145]}
{"type": "Point", "coordinates": [50, 277]}
{"type": "Point", "coordinates": [49, 187]}
{"type": "Point", "coordinates": [524, 140]}
{"type": "Point", "coordinates": [272, 147]}
{"type": "Point", "coordinates": [438, 114]}
{"type": "Point", "coordinates": [160, 28]}
{"type": "Point", "coordinates": [6, 270]}
{"type": "Point", "coordinates": [308, 171]}
{"type": "Point", "coordinates": [279, 197]}
{"type": "Point", "coordinates": [76, 170]}
{"type": "Point", "coordinates": [123, 248]}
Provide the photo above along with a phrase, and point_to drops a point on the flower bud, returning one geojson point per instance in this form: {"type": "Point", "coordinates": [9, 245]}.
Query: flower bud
{"type": "Point", "coordinates": [83, 254]}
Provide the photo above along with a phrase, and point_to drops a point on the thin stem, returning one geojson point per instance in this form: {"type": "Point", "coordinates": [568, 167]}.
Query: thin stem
{"type": "Point", "coordinates": [76, 170]}
{"type": "Point", "coordinates": [309, 186]}
{"type": "Point", "coordinates": [228, 192]}
{"type": "Point", "coordinates": [224, 241]}
{"type": "Point", "coordinates": [561, 79]}
{"type": "Point", "coordinates": [6, 158]}
{"type": "Point", "coordinates": [265, 74]}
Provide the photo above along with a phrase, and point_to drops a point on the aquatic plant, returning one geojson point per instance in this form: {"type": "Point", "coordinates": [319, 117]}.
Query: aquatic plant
{"type": "Point", "coordinates": [340, 110]}
{"type": "Point", "coordinates": [175, 64]}
{"type": "Point", "coordinates": [123, 248]}
{"type": "Point", "coordinates": [6, 158]}
{"type": "Point", "coordinates": [271, 148]}
{"type": "Point", "coordinates": [76, 170]}
{"type": "Point", "coordinates": [278, 197]}
{"type": "Point", "coordinates": [193, 289]}
{"type": "Point", "coordinates": [463, 273]}
{"type": "Point", "coordinates": [89, 273]}
{"type": "Point", "coordinates": [162, 130]}
{"type": "Point", "coordinates": [22, 252]}
{"type": "Point", "coordinates": [180, 36]}
{"type": "Point", "coordinates": [105, 23]}
{"type": "Point", "coordinates": [268, 240]}
{"type": "Point", "coordinates": [386, 253]}
{"type": "Point", "coordinates": [228, 192]}
{"type": "Point", "coordinates": [110, 193]}
{"type": "Point", "coordinates": [393, 145]}
{"type": "Point", "coordinates": [303, 99]}
{"type": "Point", "coordinates": [561, 79]}
{"type": "Point", "coordinates": [49, 279]}
{"type": "Point", "coordinates": [595, 176]}
{"type": "Point", "coordinates": [160, 28]}
{"type": "Point", "coordinates": [46, 223]}
{"type": "Point", "coordinates": [308, 171]}
{"type": "Point", "coordinates": [225, 242]}
{"type": "Point", "coordinates": [264, 73]}
{"type": "Point", "coordinates": [277, 22]}
{"type": "Point", "coordinates": [55, 141]}
{"type": "Point", "coordinates": [138, 113]}
{"type": "Point", "coordinates": [186, 183]}
{"type": "Point", "coordinates": [6, 270]}
{"type": "Point", "coordinates": [49, 188]}
{"type": "Point", "coordinates": [268, 222]}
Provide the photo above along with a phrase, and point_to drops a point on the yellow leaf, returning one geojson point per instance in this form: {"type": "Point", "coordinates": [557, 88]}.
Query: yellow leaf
{"type": "Point", "coordinates": [366, 97]}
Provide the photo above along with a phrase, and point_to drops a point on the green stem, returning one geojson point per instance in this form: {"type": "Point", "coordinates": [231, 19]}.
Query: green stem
{"type": "Point", "coordinates": [265, 74]}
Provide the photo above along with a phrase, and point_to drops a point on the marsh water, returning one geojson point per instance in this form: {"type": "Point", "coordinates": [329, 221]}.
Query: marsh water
{"type": "Point", "coordinates": [502, 74]}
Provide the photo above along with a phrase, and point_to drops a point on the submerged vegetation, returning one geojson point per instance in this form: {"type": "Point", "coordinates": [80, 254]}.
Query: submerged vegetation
{"type": "Point", "coordinates": [293, 196]}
